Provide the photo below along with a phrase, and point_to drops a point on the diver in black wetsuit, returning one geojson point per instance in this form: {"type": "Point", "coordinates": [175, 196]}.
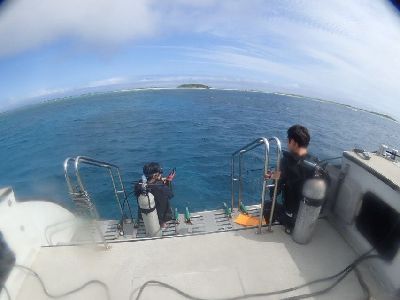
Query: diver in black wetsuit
{"type": "Point", "coordinates": [160, 189]}
{"type": "Point", "coordinates": [292, 176]}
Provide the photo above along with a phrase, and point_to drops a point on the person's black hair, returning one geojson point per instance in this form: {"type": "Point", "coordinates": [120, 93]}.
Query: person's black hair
{"type": "Point", "coordinates": [151, 168]}
{"type": "Point", "coordinates": [299, 134]}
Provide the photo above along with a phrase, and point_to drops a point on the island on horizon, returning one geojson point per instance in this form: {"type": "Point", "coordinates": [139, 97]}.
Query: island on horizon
{"type": "Point", "coordinates": [193, 86]}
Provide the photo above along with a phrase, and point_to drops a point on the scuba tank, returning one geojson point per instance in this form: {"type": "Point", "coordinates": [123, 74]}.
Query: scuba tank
{"type": "Point", "coordinates": [148, 210]}
{"type": "Point", "coordinates": [314, 191]}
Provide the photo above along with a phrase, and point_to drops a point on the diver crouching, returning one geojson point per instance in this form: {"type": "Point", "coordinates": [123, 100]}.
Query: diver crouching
{"type": "Point", "coordinates": [154, 194]}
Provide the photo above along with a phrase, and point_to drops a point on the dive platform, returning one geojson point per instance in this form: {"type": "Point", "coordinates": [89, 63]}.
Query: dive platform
{"type": "Point", "coordinates": [200, 223]}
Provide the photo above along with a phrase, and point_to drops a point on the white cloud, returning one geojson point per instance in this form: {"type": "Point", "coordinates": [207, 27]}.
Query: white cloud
{"type": "Point", "coordinates": [25, 24]}
{"type": "Point", "coordinates": [46, 92]}
{"type": "Point", "coordinates": [108, 81]}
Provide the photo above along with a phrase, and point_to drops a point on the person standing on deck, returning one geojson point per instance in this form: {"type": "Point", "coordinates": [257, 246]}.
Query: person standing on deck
{"type": "Point", "coordinates": [291, 177]}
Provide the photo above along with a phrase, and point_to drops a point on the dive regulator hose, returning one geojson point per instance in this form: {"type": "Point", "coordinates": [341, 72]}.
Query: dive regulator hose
{"type": "Point", "coordinates": [340, 276]}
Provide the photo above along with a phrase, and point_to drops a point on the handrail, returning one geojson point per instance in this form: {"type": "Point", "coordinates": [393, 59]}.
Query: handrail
{"type": "Point", "coordinates": [258, 142]}
{"type": "Point", "coordinates": [74, 192]}
{"type": "Point", "coordinates": [278, 163]}
{"type": "Point", "coordinates": [249, 147]}
{"type": "Point", "coordinates": [110, 167]}
{"type": "Point", "coordinates": [95, 162]}
{"type": "Point", "coordinates": [67, 177]}
{"type": "Point", "coordinates": [77, 190]}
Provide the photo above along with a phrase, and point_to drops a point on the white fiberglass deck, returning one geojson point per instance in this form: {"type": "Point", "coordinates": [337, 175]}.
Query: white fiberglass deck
{"type": "Point", "coordinates": [213, 266]}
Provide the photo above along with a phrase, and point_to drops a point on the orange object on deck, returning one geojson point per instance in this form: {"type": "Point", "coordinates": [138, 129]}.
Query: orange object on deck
{"type": "Point", "coordinates": [248, 220]}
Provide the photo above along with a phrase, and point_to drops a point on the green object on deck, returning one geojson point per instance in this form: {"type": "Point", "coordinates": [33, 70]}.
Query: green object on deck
{"type": "Point", "coordinates": [187, 215]}
{"type": "Point", "coordinates": [228, 211]}
{"type": "Point", "coordinates": [176, 215]}
{"type": "Point", "coordinates": [243, 209]}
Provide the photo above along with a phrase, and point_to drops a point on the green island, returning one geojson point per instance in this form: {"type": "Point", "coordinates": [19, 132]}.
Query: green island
{"type": "Point", "coordinates": [193, 86]}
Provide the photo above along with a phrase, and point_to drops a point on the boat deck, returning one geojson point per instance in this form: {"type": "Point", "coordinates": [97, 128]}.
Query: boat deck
{"type": "Point", "coordinates": [211, 266]}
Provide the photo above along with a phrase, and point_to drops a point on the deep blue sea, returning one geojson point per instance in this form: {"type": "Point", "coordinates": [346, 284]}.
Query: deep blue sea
{"type": "Point", "coordinates": [193, 130]}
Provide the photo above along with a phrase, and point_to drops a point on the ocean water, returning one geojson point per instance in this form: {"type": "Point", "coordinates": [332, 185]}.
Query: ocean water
{"type": "Point", "coordinates": [193, 130]}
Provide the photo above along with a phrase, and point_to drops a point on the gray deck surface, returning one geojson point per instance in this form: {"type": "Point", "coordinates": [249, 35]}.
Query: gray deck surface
{"type": "Point", "coordinates": [212, 266]}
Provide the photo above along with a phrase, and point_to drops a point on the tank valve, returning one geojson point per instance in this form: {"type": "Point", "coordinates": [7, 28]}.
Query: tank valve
{"type": "Point", "coordinates": [187, 216]}
{"type": "Point", "coordinates": [243, 209]}
{"type": "Point", "coordinates": [176, 216]}
{"type": "Point", "coordinates": [228, 211]}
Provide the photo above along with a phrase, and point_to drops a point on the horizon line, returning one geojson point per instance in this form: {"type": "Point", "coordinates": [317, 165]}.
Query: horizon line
{"type": "Point", "coordinates": [251, 90]}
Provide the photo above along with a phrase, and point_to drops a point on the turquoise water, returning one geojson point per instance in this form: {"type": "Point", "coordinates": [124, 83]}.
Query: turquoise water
{"type": "Point", "coordinates": [193, 130]}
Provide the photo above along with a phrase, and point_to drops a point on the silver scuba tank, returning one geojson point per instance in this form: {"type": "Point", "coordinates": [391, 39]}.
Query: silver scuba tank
{"type": "Point", "coordinates": [313, 197]}
{"type": "Point", "coordinates": [148, 210]}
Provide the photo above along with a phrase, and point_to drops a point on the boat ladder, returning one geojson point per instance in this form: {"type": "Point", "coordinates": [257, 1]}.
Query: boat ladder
{"type": "Point", "coordinates": [84, 205]}
{"type": "Point", "coordinates": [237, 163]}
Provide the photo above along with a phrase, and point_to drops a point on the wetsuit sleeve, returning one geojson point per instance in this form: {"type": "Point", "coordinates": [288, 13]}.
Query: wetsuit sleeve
{"type": "Point", "coordinates": [169, 192]}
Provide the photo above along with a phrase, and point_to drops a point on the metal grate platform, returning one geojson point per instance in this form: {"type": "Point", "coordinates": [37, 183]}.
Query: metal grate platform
{"type": "Point", "coordinates": [201, 222]}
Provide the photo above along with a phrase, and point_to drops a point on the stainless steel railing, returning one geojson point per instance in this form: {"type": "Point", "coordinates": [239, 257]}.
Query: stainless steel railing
{"type": "Point", "coordinates": [249, 147]}
{"type": "Point", "coordinates": [81, 198]}
{"type": "Point", "coordinates": [80, 195]}
{"type": "Point", "coordinates": [115, 175]}
{"type": "Point", "coordinates": [276, 182]}
{"type": "Point", "coordinates": [84, 205]}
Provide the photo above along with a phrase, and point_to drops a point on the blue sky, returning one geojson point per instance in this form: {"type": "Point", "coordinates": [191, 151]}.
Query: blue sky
{"type": "Point", "coordinates": [346, 51]}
